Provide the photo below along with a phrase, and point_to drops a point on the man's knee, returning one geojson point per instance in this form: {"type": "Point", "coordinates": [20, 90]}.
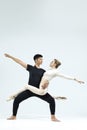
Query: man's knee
{"type": "Point", "coordinates": [17, 100]}
{"type": "Point", "coordinates": [52, 101]}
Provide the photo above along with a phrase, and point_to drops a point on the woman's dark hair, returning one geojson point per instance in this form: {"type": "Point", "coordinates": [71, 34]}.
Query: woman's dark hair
{"type": "Point", "coordinates": [37, 56]}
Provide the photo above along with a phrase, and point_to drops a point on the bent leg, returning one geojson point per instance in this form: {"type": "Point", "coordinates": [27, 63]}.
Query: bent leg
{"type": "Point", "coordinates": [49, 99]}
{"type": "Point", "coordinates": [39, 91]}
{"type": "Point", "coordinates": [42, 90]}
{"type": "Point", "coordinates": [21, 97]}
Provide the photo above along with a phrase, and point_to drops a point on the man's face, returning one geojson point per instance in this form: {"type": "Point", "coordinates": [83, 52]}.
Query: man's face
{"type": "Point", "coordinates": [39, 61]}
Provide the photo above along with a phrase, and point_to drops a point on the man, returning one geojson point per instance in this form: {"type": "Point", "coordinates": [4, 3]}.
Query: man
{"type": "Point", "coordinates": [35, 75]}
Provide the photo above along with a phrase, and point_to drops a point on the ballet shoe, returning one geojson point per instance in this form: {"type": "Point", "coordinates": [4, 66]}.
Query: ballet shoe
{"type": "Point", "coordinates": [10, 98]}
{"type": "Point", "coordinates": [59, 98]}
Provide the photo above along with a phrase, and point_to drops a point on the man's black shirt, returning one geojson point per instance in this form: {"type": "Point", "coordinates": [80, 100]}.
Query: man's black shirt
{"type": "Point", "coordinates": [35, 75]}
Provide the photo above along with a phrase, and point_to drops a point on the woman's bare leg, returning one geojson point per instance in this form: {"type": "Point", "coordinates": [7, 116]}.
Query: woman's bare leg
{"type": "Point", "coordinates": [39, 91]}
{"type": "Point", "coordinates": [15, 94]}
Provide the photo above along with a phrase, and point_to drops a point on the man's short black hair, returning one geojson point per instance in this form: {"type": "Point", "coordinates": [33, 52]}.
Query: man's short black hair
{"type": "Point", "coordinates": [37, 56]}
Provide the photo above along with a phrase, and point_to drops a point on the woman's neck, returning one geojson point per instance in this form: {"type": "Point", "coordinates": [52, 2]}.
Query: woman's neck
{"type": "Point", "coordinates": [52, 67]}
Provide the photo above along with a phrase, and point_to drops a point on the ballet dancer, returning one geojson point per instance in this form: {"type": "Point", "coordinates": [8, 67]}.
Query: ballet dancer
{"type": "Point", "coordinates": [35, 75]}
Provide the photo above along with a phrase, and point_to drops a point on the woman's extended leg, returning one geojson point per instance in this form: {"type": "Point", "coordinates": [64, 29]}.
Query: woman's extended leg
{"type": "Point", "coordinates": [39, 91]}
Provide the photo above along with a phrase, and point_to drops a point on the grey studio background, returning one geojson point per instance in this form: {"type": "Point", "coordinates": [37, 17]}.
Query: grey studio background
{"type": "Point", "coordinates": [56, 29]}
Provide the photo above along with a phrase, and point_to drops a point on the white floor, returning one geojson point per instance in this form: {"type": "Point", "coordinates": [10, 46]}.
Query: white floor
{"type": "Point", "coordinates": [46, 124]}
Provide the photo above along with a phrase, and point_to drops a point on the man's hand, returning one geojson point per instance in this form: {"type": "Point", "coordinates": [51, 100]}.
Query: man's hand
{"type": "Point", "coordinates": [7, 55]}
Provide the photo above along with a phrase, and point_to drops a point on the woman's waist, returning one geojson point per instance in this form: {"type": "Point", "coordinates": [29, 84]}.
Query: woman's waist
{"type": "Point", "coordinates": [44, 80]}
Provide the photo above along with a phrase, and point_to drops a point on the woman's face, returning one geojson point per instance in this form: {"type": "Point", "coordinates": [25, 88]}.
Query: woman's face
{"type": "Point", "coordinates": [52, 63]}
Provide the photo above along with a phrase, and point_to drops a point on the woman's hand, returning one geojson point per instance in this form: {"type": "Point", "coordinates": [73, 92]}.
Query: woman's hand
{"type": "Point", "coordinates": [79, 81]}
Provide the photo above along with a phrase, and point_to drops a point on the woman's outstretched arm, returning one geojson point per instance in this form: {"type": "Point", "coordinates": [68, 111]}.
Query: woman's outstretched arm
{"type": "Point", "coordinates": [70, 78]}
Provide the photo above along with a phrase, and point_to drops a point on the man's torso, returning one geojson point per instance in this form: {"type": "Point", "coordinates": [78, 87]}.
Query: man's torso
{"type": "Point", "coordinates": [35, 75]}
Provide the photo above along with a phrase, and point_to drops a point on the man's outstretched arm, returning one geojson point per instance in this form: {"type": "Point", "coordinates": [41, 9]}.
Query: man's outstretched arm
{"type": "Point", "coordinates": [23, 64]}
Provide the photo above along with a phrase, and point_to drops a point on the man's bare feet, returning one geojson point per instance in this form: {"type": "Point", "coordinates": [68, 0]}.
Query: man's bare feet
{"type": "Point", "coordinates": [53, 118]}
{"type": "Point", "coordinates": [12, 118]}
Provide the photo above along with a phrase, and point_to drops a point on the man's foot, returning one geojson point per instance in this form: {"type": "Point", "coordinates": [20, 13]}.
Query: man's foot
{"type": "Point", "coordinates": [59, 97]}
{"type": "Point", "coordinates": [12, 118]}
{"type": "Point", "coordinates": [53, 118]}
{"type": "Point", "coordinates": [10, 98]}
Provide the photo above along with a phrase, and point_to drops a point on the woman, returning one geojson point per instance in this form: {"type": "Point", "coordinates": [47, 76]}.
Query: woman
{"type": "Point", "coordinates": [48, 75]}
